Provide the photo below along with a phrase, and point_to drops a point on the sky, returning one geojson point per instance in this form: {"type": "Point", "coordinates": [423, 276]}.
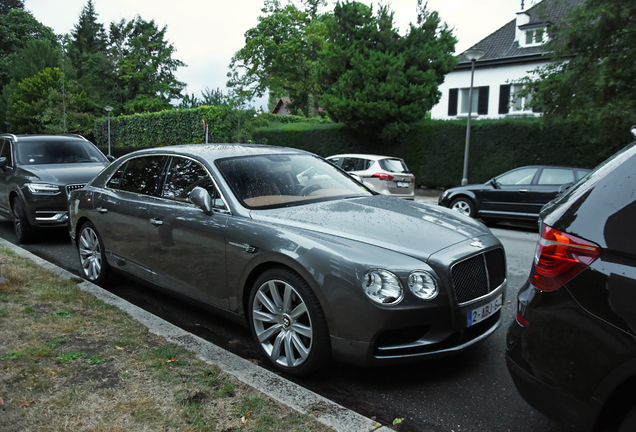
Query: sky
{"type": "Point", "coordinates": [207, 33]}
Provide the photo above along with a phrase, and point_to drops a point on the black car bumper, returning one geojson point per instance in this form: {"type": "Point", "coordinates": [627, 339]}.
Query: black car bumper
{"type": "Point", "coordinates": [573, 414]}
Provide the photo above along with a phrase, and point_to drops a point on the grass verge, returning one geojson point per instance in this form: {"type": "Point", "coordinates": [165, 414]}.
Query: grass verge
{"type": "Point", "coordinates": [69, 361]}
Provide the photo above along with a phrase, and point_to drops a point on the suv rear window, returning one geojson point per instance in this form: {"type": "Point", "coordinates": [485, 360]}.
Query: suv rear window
{"type": "Point", "coordinates": [393, 165]}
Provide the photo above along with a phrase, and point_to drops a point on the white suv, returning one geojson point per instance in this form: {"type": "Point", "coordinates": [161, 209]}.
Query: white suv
{"type": "Point", "coordinates": [384, 174]}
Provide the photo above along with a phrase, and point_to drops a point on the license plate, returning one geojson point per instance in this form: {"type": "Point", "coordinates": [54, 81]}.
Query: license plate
{"type": "Point", "coordinates": [403, 184]}
{"type": "Point", "coordinates": [483, 312]}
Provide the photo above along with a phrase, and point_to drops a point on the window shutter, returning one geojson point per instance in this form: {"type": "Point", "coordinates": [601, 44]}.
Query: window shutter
{"type": "Point", "coordinates": [482, 102]}
{"type": "Point", "coordinates": [452, 101]}
{"type": "Point", "coordinates": [504, 99]}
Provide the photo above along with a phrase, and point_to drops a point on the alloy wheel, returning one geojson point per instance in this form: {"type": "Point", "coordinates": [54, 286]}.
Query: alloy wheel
{"type": "Point", "coordinates": [282, 323]}
{"type": "Point", "coordinates": [90, 253]}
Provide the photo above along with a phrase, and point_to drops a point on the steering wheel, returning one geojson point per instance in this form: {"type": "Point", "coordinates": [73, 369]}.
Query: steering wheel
{"type": "Point", "coordinates": [309, 189]}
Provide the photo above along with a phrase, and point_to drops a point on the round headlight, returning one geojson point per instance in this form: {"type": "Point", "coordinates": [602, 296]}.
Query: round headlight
{"type": "Point", "coordinates": [382, 287]}
{"type": "Point", "coordinates": [423, 285]}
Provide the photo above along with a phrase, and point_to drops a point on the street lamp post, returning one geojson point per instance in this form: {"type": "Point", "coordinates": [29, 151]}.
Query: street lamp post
{"type": "Point", "coordinates": [109, 109]}
{"type": "Point", "coordinates": [473, 55]}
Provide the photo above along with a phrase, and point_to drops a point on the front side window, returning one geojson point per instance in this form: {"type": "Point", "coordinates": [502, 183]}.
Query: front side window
{"type": "Point", "coordinates": [183, 176]}
{"type": "Point", "coordinates": [5, 152]}
{"type": "Point", "coordinates": [280, 180]}
{"type": "Point", "coordinates": [522, 176]}
{"type": "Point", "coordinates": [140, 175]}
{"type": "Point", "coordinates": [58, 152]}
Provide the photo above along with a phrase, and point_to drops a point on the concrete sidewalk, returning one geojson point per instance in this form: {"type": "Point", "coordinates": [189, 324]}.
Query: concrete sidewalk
{"type": "Point", "coordinates": [274, 386]}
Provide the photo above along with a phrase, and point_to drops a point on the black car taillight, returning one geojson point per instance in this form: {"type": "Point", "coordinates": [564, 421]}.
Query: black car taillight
{"type": "Point", "coordinates": [559, 257]}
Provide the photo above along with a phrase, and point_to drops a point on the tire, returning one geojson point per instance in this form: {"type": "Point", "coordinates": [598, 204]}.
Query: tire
{"type": "Point", "coordinates": [464, 206]}
{"type": "Point", "coordinates": [629, 422]}
{"type": "Point", "coordinates": [91, 254]}
{"type": "Point", "coordinates": [23, 229]}
{"type": "Point", "coordinates": [288, 323]}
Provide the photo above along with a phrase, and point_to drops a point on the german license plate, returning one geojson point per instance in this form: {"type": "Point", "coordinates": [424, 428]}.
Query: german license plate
{"type": "Point", "coordinates": [483, 312]}
{"type": "Point", "coordinates": [402, 184]}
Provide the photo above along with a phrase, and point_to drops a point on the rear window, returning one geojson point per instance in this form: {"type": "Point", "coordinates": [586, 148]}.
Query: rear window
{"type": "Point", "coordinates": [393, 165]}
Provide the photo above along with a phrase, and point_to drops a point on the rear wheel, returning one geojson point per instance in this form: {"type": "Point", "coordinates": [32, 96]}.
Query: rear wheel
{"type": "Point", "coordinates": [463, 206]}
{"type": "Point", "coordinates": [91, 254]}
{"type": "Point", "coordinates": [21, 225]}
{"type": "Point", "coordinates": [288, 323]}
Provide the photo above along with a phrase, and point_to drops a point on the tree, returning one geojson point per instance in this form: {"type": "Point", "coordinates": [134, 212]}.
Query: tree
{"type": "Point", "coordinates": [144, 66]}
{"type": "Point", "coordinates": [280, 53]}
{"type": "Point", "coordinates": [592, 74]}
{"type": "Point", "coordinates": [377, 81]}
{"type": "Point", "coordinates": [47, 103]}
{"type": "Point", "coordinates": [16, 28]}
{"type": "Point", "coordinates": [7, 6]}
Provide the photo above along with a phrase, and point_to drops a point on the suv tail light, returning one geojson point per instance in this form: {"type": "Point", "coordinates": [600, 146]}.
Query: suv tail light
{"type": "Point", "coordinates": [559, 257]}
{"type": "Point", "coordinates": [383, 176]}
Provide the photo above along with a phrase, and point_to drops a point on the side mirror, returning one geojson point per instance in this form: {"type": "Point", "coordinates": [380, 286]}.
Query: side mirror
{"type": "Point", "coordinates": [201, 198]}
{"type": "Point", "coordinates": [3, 162]}
{"type": "Point", "coordinates": [111, 158]}
{"type": "Point", "coordinates": [493, 183]}
{"type": "Point", "coordinates": [565, 187]}
{"type": "Point", "coordinates": [356, 177]}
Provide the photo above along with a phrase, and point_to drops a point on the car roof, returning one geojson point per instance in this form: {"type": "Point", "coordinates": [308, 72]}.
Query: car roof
{"type": "Point", "coordinates": [220, 150]}
{"type": "Point", "coordinates": [366, 156]}
{"type": "Point", "coordinates": [550, 166]}
{"type": "Point", "coordinates": [44, 137]}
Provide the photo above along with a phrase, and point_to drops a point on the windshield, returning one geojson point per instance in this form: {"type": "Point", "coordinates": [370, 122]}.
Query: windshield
{"type": "Point", "coordinates": [57, 152]}
{"type": "Point", "coordinates": [280, 180]}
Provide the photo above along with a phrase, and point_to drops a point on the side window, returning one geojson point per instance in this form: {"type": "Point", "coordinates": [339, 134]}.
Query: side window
{"type": "Point", "coordinates": [350, 164]}
{"type": "Point", "coordinates": [6, 152]}
{"type": "Point", "coordinates": [142, 175]}
{"type": "Point", "coordinates": [518, 177]}
{"type": "Point", "coordinates": [334, 161]}
{"type": "Point", "coordinates": [183, 176]}
{"type": "Point", "coordinates": [556, 176]}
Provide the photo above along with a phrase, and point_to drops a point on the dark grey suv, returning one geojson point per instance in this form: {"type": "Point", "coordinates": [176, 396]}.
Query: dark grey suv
{"type": "Point", "coordinates": [37, 172]}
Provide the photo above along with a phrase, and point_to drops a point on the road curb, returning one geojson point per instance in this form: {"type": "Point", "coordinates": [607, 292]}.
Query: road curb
{"type": "Point", "coordinates": [278, 388]}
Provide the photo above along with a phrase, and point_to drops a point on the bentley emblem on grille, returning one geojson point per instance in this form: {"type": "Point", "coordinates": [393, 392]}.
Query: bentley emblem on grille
{"type": "Point", "coordinates": [477, 244]}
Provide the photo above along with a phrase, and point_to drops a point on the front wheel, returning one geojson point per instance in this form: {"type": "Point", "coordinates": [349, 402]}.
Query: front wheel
{"type": "Point", "coordinates": [463, 206]}
{"type": "Point", "coordinates": [288, 323]}
{"type": "Point", "coordinates": [21, 225]}
{"type": "Point", "coordinates": [91, 254]}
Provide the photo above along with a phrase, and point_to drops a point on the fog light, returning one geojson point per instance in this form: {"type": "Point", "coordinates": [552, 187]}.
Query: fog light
{"type": "Point", "coordinates": [423, 285]}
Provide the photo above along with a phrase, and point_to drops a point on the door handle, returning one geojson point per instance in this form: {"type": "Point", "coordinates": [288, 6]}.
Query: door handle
{"type": "Point", "coordinates": [101, 210]}
{"type": "Point", "coordinates": [523, 190]}
{"type": "Point", "coordinates": [156, 222]}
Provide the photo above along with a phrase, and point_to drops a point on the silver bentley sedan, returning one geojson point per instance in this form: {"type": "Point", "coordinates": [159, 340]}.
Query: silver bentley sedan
{"type": "Point", "coordinates": [316, 264]}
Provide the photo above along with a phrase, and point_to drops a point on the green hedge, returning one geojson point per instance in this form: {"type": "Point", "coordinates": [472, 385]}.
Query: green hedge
{"type": "Point", "coordinates": [434, 150]}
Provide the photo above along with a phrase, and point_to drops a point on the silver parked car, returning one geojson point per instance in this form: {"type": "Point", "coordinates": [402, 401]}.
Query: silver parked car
{"type": "Point", "coordinates": [383, 174]}
{"type": "Point", "coordinates": [280, 240]}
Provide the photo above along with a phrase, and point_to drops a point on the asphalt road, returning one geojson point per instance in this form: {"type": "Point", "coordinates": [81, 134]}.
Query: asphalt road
{"type": "Point", "coordinates": [468, 392]}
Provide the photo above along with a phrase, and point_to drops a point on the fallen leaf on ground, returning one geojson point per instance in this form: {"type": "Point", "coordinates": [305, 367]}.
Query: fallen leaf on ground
{"type": "Point", "coordinates": [1, 401]}
{"type": "Point", "coordinates": [171, 360]}
{"type": "Point", "coordinates": [119, 348]}
{"type": "Point", "coordinates": [27, 403]}
{"type": "Point", "coordinates": [235, 341]}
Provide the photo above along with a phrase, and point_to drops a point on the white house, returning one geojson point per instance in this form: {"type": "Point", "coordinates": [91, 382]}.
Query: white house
{"type": "Point", "coordinates": [510, 53]}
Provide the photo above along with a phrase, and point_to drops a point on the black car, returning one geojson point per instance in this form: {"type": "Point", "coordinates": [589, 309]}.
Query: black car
{"type": "Point", "coordinates": [37, 172]}
{"type": "Point", "coordinates": [516, 195]}
{"type": "Point", "coordinates": [285, 242]}
{"type": "Point", "coordinates": [572, 349]}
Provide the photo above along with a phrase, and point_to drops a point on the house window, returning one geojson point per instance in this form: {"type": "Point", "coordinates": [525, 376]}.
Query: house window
{"type": "Point", "coordinates": [520, 103]}
{"type": "Point", "coordinates": [459, 100]}
{"type": "Point", "coordinates": [535, 36]}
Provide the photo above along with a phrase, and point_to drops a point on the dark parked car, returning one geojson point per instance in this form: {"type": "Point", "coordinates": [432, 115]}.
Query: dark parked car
{"type": "Point", "coordinates": [517, 195]}
{"type": "Point", "coordinates": [37, 172]}
{"type": "Point", "coordinates": [285, 242]}
{"type": "Point", "coordinates": [572, 349]}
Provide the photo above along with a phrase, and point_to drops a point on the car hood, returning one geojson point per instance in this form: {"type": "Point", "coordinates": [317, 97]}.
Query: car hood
{"type": "Point", "coordinates": [62, 174]}
{"type": "Point", "coordinates": [414, 229]}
